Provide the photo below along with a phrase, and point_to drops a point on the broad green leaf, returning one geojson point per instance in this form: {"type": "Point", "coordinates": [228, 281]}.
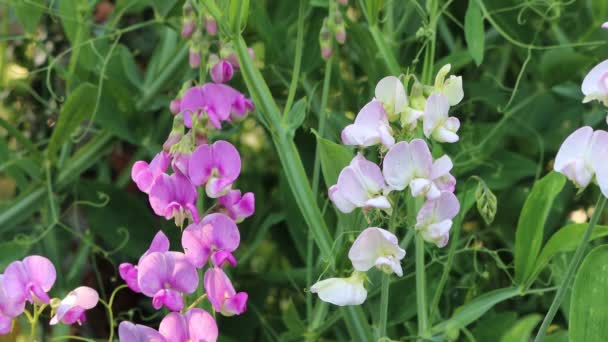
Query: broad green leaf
{"type": "Point", "coordinates": [473, 31]}
{"type": "Point", "coordinates": [474, 309]}
{"type": "Point", "coordinates": [531, 224]}
{"type": "Point", "coordinates": [522, 329]}
{"type": "Point", "coordinates": [29, 13]}
{"type": "Point", "coordinates": [294, 119]}
{"type": "Point", "coordinates": [78, 107]}
{"type": "Point", "coordinates": [71, 14]}
{"type": "Point", "coordinates": [588, 310]}
{"type": "Point", "coordinates": [490, 326]}
{"type": "Point", "coordinates": [334, 157]}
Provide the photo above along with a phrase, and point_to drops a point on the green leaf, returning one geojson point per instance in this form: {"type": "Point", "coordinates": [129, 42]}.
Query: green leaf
{"type": "Point", "coordinates": [72, 19]}
{"type": "Point", "coordinates": [531, 224]}
{"type": "Point", "coordinates": [470, 312]}
{"type": "Point", "coordinates": [522, 329]}
{"type": "Point", "coordinates": [163, 7]}
{"type": "Point", "coordinates": [79, 106]}
{"type": "Point", "coordinates": [473, 31]}
{"type": "Point", "coordinates": [294, 119]}
{"type": "Point", "coordinates": [588, 310]}
{"type": "Point", "coordinates": [29, 13]}
{"type": "Point", "coordinates": [334, 157]}
{"type": "Point", "coordinates": [292, 319]}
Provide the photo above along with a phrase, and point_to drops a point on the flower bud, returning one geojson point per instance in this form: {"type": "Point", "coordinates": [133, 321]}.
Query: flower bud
{"type": "Point", "coordinates": [221, 72]}
{"type": "Point", "coordinates": [325, 40]}
{"type": "Point", "coordinates": [210, 25]}
{"type": "Point", "coordinates": [339, 29]}
{"type": "Point", "coordinates": [187, 28]}
{"type": "Point", "coordinates": [174, 106]}
{"type": "Point", "coordinates": [194, 58]}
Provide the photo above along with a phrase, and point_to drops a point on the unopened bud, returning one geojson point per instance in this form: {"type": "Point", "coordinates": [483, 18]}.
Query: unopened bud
{"type": "Point", "coordinates": [188, 28]}
{"type": "Point", "coordinates": [194, 58]}
{"type": "Point", "coordinates": [325, 41]}
{"type": "Point", "coordinates": [221, 72]}
{"type": "Point", "coordinates": [210, 25]}
{"type": "Point", "coordinates": [343, 2]}
{"type": "Point", "coordinates": [174, 106]}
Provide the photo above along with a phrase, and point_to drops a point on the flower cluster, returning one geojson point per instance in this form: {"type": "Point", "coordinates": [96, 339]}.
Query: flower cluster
{"type": "Point", "coordinates": [416, 118]}
{"type": "Point", "coordinates": [333, 24]}
{"type": "Point", "coordinates": [29, 281]}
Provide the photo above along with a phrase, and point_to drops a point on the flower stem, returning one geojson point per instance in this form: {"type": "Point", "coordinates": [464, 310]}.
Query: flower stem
{"type": "Point", "coordinates": [384, 292]}
{"type": "Point", "coordinates": [196, 301]}
{"type": "Point", "coordinates": [421, 287]}
{"type": "Point", "coordinates": [574, 263]}
{"type": "Point", "coordinates": [108, 306]}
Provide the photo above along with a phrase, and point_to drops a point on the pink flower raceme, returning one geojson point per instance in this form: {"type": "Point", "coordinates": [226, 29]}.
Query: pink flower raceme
{"type": "Point", "coordinates": [360, 184]}
{"type": "Point", "coordinates": [194, 325]}
{"type": "Point", "coordinates": [377, 247]}
{"type": "Point", "coordinates": [436, 122]}
{"type": "Point", "coordinates": [174, 196]}
{"type": "Point", "coordinates": [165, 276]}
{"type": "Point", "coordinates": [144, 174]}
{"type": "Point", "coordinates": [222, 295]}
{"type": "Point", "coordinates": [582, 158]}
{"type": "Point", "coordinates": [221, 72]}
{"type": "Point", "coordinates": [129, 332]}
{"type": "Point", "coordinates": [218, 101]}
{"type": "Point", "coordinates": [35, 276]}
{"type": "Point", "coordinates": [71, 309]}
{"type": "Point", "coordinates": [238, 207]}
{"type": "Point", "coordinates": [128, 272]}
{"type": "Point", "coordinates": [434, 220]}
{"type": "Point", "coordinates": [216, 236]}
{"type": "Point", "coordinates": [216, 166]}
{"type": "Point", "coordinates": [411, 164]}
{"type": "Point", "coordinates": [595, 84]}
{"type": "Point", "coordinates": [370, 128]}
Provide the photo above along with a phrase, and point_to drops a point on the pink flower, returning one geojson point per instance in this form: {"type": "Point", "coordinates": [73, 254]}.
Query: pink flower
{"type": "Point", "coordinates": [174, 197]}
{"type": "Point", "coordinates": [222, 295]}
{"type": "Point", "coordinates": [377, 247]}
{"type": "Point", "coordinates": [595, 84]}
{"type": "Point", "coordinates": [216, 166]}
{"type": "Point", "coordinates": [195, 325]}
{"type": "Point", "coordinates": [434, 220]}
{"type": "Point", "coordinates": [129, 332]}
{"type": "Point", "coordinates": [370, 128]}
{"type": "Point", "coordinates": [360, 184]}
{"type": "Point", "coordinates": [219, 101]}
{"type": "Point", "coordinates": [72, 307]}
{"type": "Point", "coordinates": [238, 207]}
{"type": "Point", "coordinates": [144, 174]}
{"type": "Point", "coordinates": [216, 236]}
{"type": "Point", "coordinates": [12, 302]}
{"type": "Point", "coordinates": [411, 164]}
{"type": "Point", "coordinates": [436, 122]}
{"type": "Point", "coordinates": [35, 275]}
{"type": "Point", "coordinates": [164, 277]}
{"type": "Point", "coordinates": [221, 72]}
{"type": "Point", "coordinates": [128, 272]}
{"type": "Point", "coordinates": [582, 157]}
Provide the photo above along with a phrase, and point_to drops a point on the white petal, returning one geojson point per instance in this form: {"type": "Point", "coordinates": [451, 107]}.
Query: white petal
{"type": "Point", "coordinates": [452, 89]}
{"type": "Point", "coordinates": [420, 186]}
{"type": "Point", "coordinates": [574, 147]}
{"type": "Point", "coordinates": [379, 202]}
{"type": "Point", "coordinates": [391, 93]}
{"type": "Point", "coordinates": [591, 82]}
{"type": "Point", "coordinates": [341, 291]}
{"type": "Point", "coordinates": [441, 134]}
{"type": "Point", "coordinates": [397, 166]}
{"type": "Point", "coordinates": [435, 113]}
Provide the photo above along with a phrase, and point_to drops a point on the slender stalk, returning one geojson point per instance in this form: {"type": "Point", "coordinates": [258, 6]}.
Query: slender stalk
{"type": "Point", "coordinates": [298, 59]}
{"type": "Point", "coordinates": [322, 117]}
{"type": "Point", "coordinates": [389, 57]}
{"type": "Point", "coordinates": [429, 53]}
{"type": "Point", "coordinates": [574, 263]}
{"type": "Point", "coordinates": [197, 301]}
{"type": "Point", "coordinates": [108, 306]}
{"type": "Point", "coordinates": [423, 323]}
{"type": "Point", "coordinates": [384, 292]}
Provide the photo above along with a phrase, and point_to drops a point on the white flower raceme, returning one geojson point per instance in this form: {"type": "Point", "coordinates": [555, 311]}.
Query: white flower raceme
{"type": "Point", "coordinates": [595, 84]}
{"type": "Point", "coordinates": [450, 88]}
{"type": "Point", "coordinates": [391, 93]}
{"type": "Point", "coordinates": [583, 156]}
{"type": "Point", "coordinates": [370, 128]}
{"type": "Point", "coordinates": [342, 291]}
{"type": "Point", "coordinates": [434, 220]}
{"type": "Point", "coordinates": [411, 164]}
{"type": "Point", "coordinates": [436, 122]}
{"type": "Point", "coordinates": [377, 247]}
{"type": "Point", "coordinates": [360, 185]}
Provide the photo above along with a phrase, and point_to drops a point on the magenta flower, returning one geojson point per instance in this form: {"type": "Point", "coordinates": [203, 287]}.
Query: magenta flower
{"type": "Point", "coordinates": [144, 174]}
{"type": "Point", "coordinates": [187, 28]}
{"type": "Point", "coordinates": [238, 207]}
{"type": "Point", "coordinates": [370, 128]}
{"type": "Point", "coordinates": [35, 275]}
{"type": "Point", "coordinates": [128, 272]}
{"type": "Point", "coordinates": [174, 197]}
{"type": "Point", "coordinates": [434, 220]}
{"type": "Point", "coordinates": [411, 164]}
{"type": "Point", "coordinates": [217, 166]}
{"type": "Point", "coordinates": [232, 59]}
{"type": "Point", "coordinates": [129, 332]}
{"type": "Point", "coordinates": [12, 302]}
{"type": "Point", "coordinates": [360, 184]}
{"type": "Point", "coordinates": [195, 325]}
{"type": "Point", "coordinates": [219, 101]}
{"type": "Point", "coordinates": [165, 277]}
{"type": "Point", "coordinates": [216, 236]}
{"type": "Point", "coordinates": [222, 295]}
{"type": "Point", "coordinates": [221, 72]}
{"type": "Point", "coordinates": [72, 307]}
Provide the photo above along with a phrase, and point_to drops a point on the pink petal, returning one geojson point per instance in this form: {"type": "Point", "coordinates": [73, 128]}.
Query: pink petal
{"type": "Point", "coordinates": [222, 258]}
{"type": "Point", "coordinates": [129, 332]}
{"type": "Point", "coordinates": [169, 298]}
{"type": "Point", "coordinates": [154, 272]}
{"type": "Point", "coordinates": [6, 324]}
{"type": "Point", "coordinates": [218, 287]}
{"type": "Point", "coordinates": [174, 328]}
{"type": "Point", "coordinates": [435, 112]}
{"type": "Point", "coordinates": [591, 83]}
{"type": "Point", "coordinates": [574, 147]}
{"type": "Point", "coordinates": [41, 271]}
{"type": "Point", "coordinates": [201, 326]}
{"type": "Point", "coordinates": [184, 277]}
{"type": "Point", "coordinates": [128, 273]}
{"type": "Point", "coordinates": [235, 305]}
{"type": "Point", "coordinates": [221, 72]}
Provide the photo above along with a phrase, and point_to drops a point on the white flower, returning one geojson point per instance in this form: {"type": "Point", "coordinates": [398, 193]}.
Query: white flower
{"type": "Point", "coordinates": [595, 84]}
{"type": "Point", "coordinates": [342, 291]}
{"type": "Point", "coordinates": [391, 93]}
{"type": "Point", "coordinates": [434, 220]}
{"type": "Point", "coordinates": [436, 122]}
{"type": "Point", "coordinates": [370, 128]}
{"type": "Point", "coordinates": [451, 88]}
{"type": "Point", "coordinates": [377, 247]}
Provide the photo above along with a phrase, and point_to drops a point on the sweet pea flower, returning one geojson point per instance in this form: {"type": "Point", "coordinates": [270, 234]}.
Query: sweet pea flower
{"type": "Point", "coordinates": [174, 106]}
{"type": "Point", "coordinates": [411, 164]}
{"type": "Point", "coordinates": [436, 122]}
{"type": "Point", "coordinates": [583, 156]}
{"type": "Point", "coordinates": [144, 174]}
{"type": "Point", "coordinates": [35, 275]}
{"type": "Point", "coordinates": [342, 291]}
{"type": "Point", "coordinates": [222, 294]}
{"type": "Point", "coordinates": [377, 247]}
{"type": "Point", "coordinates": [595, 84]}
{"type": "Point", "coordinates": [174, 197]}
{"type": "Point", "coordinates": [216, 236]}
{"type": "Point", "coordinates": [391, 93]}
{"type": "Point", "coordinates": [128, 272]}
{"type": "Point", "coordinates": [216, 166]}
{"type": "Point", "coordinates": [129, 332]}
{"type": "Point", "coordinates": [165, 277]}
{"type": "Point", "coordinates": [218, 101]}
{"type": "Point", "coordinates": [370, 128]}
{"type": "Point", "coordinates": [12, 302]}
{"type": "Point", "coordinates": [221, 72]}
{"type": "Point", "coordinates": [605, 25]}
{"type": "Point", "coordinates": [238, 207]}
{"type": "Point", "coordinates": [434, 220]}
{"type": "Point", "coordinates": [71, 309]}
{"type": "Point", "coordinates": [195, 325]}
{"type": "Point", "coordinates": [450, 88]}
{"type": "Point", "coordinates": [360, 184]}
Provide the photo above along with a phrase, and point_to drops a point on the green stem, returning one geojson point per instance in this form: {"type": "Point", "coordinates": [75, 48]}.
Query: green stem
{"type": "Point", "coordinates": [574, 263]}
{"type": "Point", "coordinates": [161, 81]}
{"type": "Point", "coordinates": [322, 118]}
{"type": "Point", "coordinates": [421, 304]}
{"type": "Point", "coordinates": [108, 306]}
{"type": "Point", "coordinates": [389, 57]}
{"type": "Point", "coordinates": [198, 300]}
{"type": "Point", "coordinates": [384, 292]}
{"type": "Point", "coordinates": [298, 59]}
{"type": "Point", "coordinates": [429, 53]}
